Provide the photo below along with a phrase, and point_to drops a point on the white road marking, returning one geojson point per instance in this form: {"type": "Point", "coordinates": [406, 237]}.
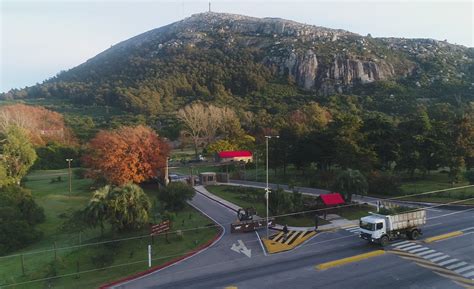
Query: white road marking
{"type": "Point", "coordinates": [458, 212]}
{"type": "Point", "coordinates": [241, 248]}
{"type": "Point", "coordinates": [405, 245]}
{"type": "Point", "coordinates": [425, 253]}
{"type": "Point", "coordinates": [448, 262]}
{"type": "Point", "coordinates": [439, 258]}
{"type": "Point", "coordinates": [261, 244]}
{"type": "Point", "coordinates": [469, 274]}
{"type": "Point", "coordinates": [418, 250]}
{"type": "Point", "coordinates": [432, 255]}
{"type": "Point", "coordinates": [400, 243]}
{"type": "Point", "coordinates": [459, 271]}
{"type": "Point", "coordinates": [457, 265]}
{"type": "Point", "coordinates": [411, 247]}
{"type": "Point", "coordinates": [431, 225]}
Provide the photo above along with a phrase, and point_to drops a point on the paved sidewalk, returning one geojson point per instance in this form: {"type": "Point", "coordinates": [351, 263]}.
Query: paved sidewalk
{"type": "Point", "coordinates": [213, 197]}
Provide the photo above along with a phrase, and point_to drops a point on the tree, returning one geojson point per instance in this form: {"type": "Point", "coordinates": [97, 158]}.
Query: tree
{"type": "Point", "coordinates": [18, 214]}
{"type": "Point", "coordinates": [175, 195]}
{"type": "Point", "coordinates": [16, 153]}
{"type": "Point", "coordinates": [221, 145]}
{"type": "Point", "coordinates": [350, 182]}
{"type": "Point", "coordinates": [97, 210]}
{"type": "Point", "coordinates": [128, 207]}
{"type": "Point", "coordinates": [203, 121]}
{"type": "Point", "coordinates": [279, 202]}
{"type": "Point", "coordinates": [42, 125]}
{"type": "Point", "coordinates": [125, 208]}
{"type": "Point", "coordinates": [128, 154]}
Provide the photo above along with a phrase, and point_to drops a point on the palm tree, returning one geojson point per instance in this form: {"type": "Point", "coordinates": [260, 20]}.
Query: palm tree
{"type": "Point", "coordinates": [96, 211]}
{"type": "Point", "coordinates": [350, 182]}
{"type": "Point", "coordinates": [129, 207]}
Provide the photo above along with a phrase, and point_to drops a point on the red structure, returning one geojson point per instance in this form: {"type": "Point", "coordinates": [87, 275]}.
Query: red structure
{"type": "Point", "coordinates": [332, 199]}
{"type": "Point", "coordinates": [235, 156]}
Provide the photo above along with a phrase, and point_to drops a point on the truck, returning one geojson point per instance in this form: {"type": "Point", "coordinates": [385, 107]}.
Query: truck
{"type": "Point", "coordinates": [382, 229]}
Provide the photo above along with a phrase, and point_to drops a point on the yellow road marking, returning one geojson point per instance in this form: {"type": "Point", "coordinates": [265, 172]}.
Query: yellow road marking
{"type": "Point", "coordinates": [273, 246]}
{"type": "Point", "coordinates": [347, 260]}
{"type": "Point", "coordinates": [277, 236]}
{"type": "Point", "coordinates": [444, 236]}
{"type": "Point", "coordinates": [231, 287]}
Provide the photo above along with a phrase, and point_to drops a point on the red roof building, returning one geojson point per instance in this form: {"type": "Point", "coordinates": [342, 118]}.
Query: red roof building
{"type": "Point", "coordinates": [235, 156]}
{"type": "Point", "coordinates": [332, 199]}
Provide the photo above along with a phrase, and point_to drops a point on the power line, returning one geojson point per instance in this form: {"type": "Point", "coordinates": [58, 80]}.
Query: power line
{"type": "Point", "coordinates": [213, 264]}
{"type": "Point", "coordinates": [225, 224]}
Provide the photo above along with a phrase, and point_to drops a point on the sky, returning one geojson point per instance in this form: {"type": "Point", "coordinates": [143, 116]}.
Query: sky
{"type": "Point", "coordinates": [41, 38]}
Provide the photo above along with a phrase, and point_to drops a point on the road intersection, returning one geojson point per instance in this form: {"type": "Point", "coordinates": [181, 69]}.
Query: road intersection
{"type": "Point", "coordinates": [239, 260]}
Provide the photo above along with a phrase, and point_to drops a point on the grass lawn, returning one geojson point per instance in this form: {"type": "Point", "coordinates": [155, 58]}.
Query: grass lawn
{"type": "Point", "coordinates": [355, 212]}
{"type": "Point", "coordinates": [241, 199]}
{"type": "Point", "coordinates": [433, 182]}
{"type": "Point", "coordinates": [123, 258]}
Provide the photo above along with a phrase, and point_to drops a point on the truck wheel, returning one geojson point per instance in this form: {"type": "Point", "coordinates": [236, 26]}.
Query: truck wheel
{"type": "Point", "coordinates": [414, 235]}
{"type": "Point", "coordinates": [384, 241]}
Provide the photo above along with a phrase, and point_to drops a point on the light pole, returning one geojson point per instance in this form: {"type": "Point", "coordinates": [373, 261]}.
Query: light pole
{"type": "Point", "coordinates": [267, 189]}
{"type": "Point", "coordinates": [70, 177]}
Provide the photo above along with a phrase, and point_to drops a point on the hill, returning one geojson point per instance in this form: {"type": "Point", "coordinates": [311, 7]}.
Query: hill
{"type": "Point", "coordinates": [234, 59]}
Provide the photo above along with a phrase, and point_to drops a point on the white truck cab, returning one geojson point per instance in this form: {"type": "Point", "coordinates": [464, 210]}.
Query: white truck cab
{"type": "Point", "coordinates": [373, 227]}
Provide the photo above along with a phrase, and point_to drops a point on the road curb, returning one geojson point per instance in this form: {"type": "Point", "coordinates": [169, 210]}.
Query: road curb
{"type": "Point", "coordinates": [209, 243]}
{"type": "Point", "coordinates": [215, 200]}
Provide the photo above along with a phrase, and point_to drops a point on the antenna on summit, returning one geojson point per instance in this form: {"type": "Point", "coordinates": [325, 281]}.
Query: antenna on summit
{"type": "Point", "coordinates": [209, 6]}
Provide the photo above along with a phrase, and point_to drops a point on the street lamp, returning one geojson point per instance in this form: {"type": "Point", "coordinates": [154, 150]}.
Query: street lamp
{"type": "Point", "coordinates": [267, 189]}
{"type": "Point", "coordinates": [70, 179]}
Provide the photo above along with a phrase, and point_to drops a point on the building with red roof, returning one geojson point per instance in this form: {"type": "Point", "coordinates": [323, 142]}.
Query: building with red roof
{"type": "Point", "coordinates": [235, 156]}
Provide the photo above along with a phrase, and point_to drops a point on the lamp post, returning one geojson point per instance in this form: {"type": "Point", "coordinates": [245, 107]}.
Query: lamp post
{"type": "Point", "coordinates": [70, 176]}
{"type": "Point", "coordinates": [267, 189]}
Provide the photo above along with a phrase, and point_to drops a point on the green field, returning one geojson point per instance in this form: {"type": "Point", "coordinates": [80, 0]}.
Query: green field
{"type": "Point", "coordinates": [100, 262]}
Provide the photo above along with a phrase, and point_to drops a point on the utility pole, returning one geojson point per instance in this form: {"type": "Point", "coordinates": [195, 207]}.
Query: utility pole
{"type": "Point", "coordinates": [209, 6]}
{"type": "Point", "coordinates": [267, 189]}
{"type": "Point", "coordinates": [256, 165]}
{"type": "Point", "coordinates": [70, 175]}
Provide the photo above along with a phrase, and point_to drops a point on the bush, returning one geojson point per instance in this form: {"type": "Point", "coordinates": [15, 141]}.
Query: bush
{"type": "Point", "coordinates": [80, 173]}
{"type": "Point", "coordinates": [469, 175]}
{"type": "Point", "coordinates": [383, 184]}
{"type": "Point", "coordinates": [53, 156]}
{"type": "Point", "coordinates": [175, 195]}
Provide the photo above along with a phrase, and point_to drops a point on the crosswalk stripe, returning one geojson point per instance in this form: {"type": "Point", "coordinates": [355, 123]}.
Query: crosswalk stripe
{"type": "Point", "coordinates": [447, 262]}
{"type": "Point", "coordinates": [293, 236]}
{"type": "Point", "coordinates": [400, 243]}
{"type": "Point", "coordinates": [456, 265]}
{"type": "Point", "coordinates": [430, 256]}
{"type": "Point", "coordinates": [459, 271]}
{"type": "Point", "coordinates": [404, 245]}
{"type": "Point", "coordinates": [418, 250]}
{"type": "Point", "coordinates": [469, 274]}
{"type": "Point", "coordinates": [411, 247]}
{"type": "Point", "coordinates": [439, 258]}
{"type": "Point", "coordinates": [425, 253]}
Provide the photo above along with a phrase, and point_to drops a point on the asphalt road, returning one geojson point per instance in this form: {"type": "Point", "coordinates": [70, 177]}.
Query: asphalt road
{"type": "Point", "coordinates": [219, 266]}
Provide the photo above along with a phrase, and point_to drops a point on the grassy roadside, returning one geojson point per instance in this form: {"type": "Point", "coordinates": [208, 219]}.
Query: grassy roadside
{"type": "Point", "coordinates": [58, 203]}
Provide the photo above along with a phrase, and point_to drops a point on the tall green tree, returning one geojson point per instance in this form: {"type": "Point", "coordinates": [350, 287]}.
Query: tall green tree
{"type": "Point", "coordinates": [17, 154]}
{"type": "Point", "coordinates": [350, 182]}
{"type": "Point", "coordinates": [175, 195]}
{"type": "Point", "coordinates": [128, 207]}
{"type": "Point", "coordinates": [97, 210]}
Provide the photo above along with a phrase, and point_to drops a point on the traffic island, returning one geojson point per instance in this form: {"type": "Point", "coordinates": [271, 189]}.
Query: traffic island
{"type": "Point", "coordinates": [279, 243]}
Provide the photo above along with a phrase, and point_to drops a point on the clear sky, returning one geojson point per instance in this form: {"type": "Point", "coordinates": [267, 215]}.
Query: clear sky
{"type": "Point", "coordinates": [41, 38]}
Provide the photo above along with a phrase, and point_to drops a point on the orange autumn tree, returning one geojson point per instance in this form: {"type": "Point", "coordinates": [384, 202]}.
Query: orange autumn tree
{"type": "Point", "coordinates": [41, 124]}
{"type": "Point", "coordinates": [128, 154]}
